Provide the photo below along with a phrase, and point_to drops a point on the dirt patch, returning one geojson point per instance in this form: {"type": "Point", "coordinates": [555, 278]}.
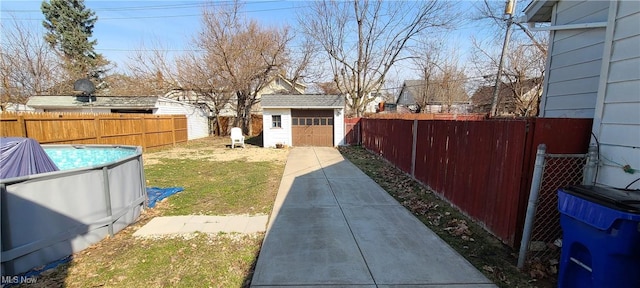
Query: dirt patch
{"type": "Point", "coordinates": [217, 149]}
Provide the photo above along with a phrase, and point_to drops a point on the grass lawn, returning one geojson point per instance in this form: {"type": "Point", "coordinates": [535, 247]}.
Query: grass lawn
{"type": "Point", "coordinates": [237, 185]}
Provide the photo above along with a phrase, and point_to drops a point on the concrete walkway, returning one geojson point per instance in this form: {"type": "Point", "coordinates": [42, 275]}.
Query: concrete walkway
{"type": "Point", "coordinates": [332, 226]}
{"type": "Point", "coordinates": [171, 225]}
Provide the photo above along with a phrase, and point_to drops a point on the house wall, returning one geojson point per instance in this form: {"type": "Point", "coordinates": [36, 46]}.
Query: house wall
{"type": "Point", "coordinates": [405, 97]}
{"type": "Point", "coordinates": [574, 61]}
{"type": "Point", "coordinates": [197, 118]}
{"type": "Point", "coordinates": [617, 115]}
{"type": "Point", "coordinates": [76, 110]}
{"type": "Point", "coordinates": [272, 136]}
{"type": "Point", "coordinates": [338, 127]}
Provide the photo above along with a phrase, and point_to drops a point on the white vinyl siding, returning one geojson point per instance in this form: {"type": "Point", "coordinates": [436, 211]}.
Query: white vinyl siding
{"type": "Point", "coordinates": [618, 129]}
{"type": "Point", "coordinates": [575, 61]}
{"type": "Point", "coordinates": [338, 127]}
{"type": "Point", "coordinates": [197, 118]}
{"type": "Point", "coordinates": [276, 135]}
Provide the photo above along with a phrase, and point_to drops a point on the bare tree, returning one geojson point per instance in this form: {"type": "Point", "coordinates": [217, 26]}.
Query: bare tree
{"type": "Point", "coordinates": [523, 69]}
{"type": "Point", "coordinates": [521, 84]}
{"type": "Point", "coordinates": [364, 39]}
{"type": "Point", "coordinates": [28, 66]}
{"type": "Point", "coordinates": [241, 56]}
{"type": "Point", "coordinates": [443, 80]}
{"type": "Point", "coordinates": [154, 69]}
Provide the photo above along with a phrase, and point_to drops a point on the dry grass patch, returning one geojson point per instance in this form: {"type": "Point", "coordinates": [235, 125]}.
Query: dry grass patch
{"type": "Point", "coordinates": [245, 182]}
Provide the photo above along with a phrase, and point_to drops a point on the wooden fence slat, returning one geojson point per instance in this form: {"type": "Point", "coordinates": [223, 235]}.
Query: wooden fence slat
{"type": "Point", "coordinates": [87, 128]}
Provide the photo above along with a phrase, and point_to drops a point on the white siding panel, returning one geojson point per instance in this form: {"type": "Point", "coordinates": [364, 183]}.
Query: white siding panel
{"type": "Point", "coordinates": [621, 92]}
{"type": "Point", "coordinates": [582, 12]}
{"type": "Point", "coordinates": [612, 157]}
{"type": "Point", "coordinates": [570, 113]}
{"type": "Point", "coordinates": [626, 48]}
{"type": "Point", "coordinates": [625, 70]}
{"type": "Point", "coordinates": [620, 135]}
{"type": "Point", "coordinates": [579, 71]}
{"type": "Point", "coordinates": [571, 40]}
{"type": "Point", "coordinates": [575, 86]}
{"type": "Point", "coordinates": [628, 7]}
{"type": "Point", "coordinates": [619, 130]}
{"type": "Point", "coordinates": [621, 113]}
{"type": "Point", "coordinates": [579, 55]}
{"type": "Point", "coordinates": [576, 101]}
{"type": "Point", "coordinates": [338, 127]}
{"type": "Point", "coordinates": [271, 135]}
{"type": "Point", "coordinates": [627, 26]}
{"type": "Point", "coordinates": [197, 120]}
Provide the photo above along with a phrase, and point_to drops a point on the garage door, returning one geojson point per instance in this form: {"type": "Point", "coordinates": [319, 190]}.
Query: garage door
{"type": "Point", "coordinates": [312, 127]}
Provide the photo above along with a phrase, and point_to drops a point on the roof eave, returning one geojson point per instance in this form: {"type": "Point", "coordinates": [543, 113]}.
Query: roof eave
{"type": "Point", "coordinates": [302, 107]}
{"type": "Point", "coordinates": [539, 10]}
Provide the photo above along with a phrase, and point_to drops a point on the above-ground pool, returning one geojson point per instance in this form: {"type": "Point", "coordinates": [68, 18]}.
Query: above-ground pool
{"type": "Point", "coordinates": [72, 157]}
{"type": "Point", "coordinates": [99, 190]}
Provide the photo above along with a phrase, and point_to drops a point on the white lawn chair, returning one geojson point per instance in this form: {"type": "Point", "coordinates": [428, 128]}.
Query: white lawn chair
{"type": "Point", "coordinates": [236, 137]}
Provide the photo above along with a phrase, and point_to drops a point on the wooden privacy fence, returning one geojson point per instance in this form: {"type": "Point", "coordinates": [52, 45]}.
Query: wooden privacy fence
{"type": "Point", "coordinates": [148, 131]}
{"type": "Point", "coordinates": [482, 167]}
{"type": "Point", "coordinates": [226, 125]}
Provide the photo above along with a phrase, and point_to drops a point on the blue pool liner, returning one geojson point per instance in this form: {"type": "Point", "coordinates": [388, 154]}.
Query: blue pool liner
{"type": "Point", "coordinates": [156, 194]}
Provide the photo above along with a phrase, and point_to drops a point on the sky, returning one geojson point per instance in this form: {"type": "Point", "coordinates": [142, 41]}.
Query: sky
{"type": "Point", "coordinates": [123, 26]}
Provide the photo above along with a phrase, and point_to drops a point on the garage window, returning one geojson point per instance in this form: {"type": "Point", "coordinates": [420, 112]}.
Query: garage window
{"type": "Point", "coordinates": [276, 121]}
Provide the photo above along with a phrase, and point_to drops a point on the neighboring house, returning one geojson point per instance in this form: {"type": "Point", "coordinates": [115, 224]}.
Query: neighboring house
{"type": "Point", "coordinates": [303, 120]}
{"type": "Point", "coordinates": [197, 117]}
{"type": "Point", "coordinates": [279, 85]}
{"type": "Point", "coordinates": [522, 102]}
{"type": "Point", "coordinates": [594, 72]}
{"type": "Point", "coordinates": [15, 107]}
{"type": "Point", "coordinates": [415, 97]}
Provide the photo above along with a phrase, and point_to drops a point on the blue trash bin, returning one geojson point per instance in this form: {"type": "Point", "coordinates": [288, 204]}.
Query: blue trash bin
{"type": "Point", "coordinates": [600, 237]}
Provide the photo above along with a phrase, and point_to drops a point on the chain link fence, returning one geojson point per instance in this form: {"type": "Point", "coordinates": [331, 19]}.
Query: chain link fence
{"type": "Point", "coordinates": [542, 254]}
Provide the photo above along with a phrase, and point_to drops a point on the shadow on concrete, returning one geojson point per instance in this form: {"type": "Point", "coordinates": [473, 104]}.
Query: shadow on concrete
{"type": "Point", "coordinates": [332, 225]}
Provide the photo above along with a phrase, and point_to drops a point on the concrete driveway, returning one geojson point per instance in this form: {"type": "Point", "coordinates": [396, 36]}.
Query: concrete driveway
{"type": "Point", "coordinates": [332, 226]}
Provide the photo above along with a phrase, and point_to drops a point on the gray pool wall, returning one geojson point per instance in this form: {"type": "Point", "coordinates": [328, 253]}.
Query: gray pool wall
{"type": "Point", "coordinates": [48, 216]}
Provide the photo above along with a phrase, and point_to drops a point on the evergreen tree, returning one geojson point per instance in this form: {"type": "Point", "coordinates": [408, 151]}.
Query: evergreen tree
{"type": "Point", "coordinates": [69, 27]}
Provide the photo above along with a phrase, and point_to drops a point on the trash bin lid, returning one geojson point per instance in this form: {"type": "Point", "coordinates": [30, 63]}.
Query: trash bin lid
{"type": "Point", "coordinates": [622, 200]}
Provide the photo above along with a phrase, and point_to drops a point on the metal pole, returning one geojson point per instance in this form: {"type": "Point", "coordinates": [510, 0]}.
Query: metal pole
{"type": "Point", "coordinates": [589, 177]}
{"type": "Point", "coordinates": [496, 88]}
{"type": "Point", "coordinates": [536, 181]}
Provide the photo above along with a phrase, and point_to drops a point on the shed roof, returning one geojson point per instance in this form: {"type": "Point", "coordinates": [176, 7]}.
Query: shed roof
{"type": "Point", "coordinates": [96, 101]}
{"type": "Point", "coordinates": [302, 101]}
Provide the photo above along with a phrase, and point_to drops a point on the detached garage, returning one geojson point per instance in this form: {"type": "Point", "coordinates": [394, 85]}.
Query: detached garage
{"type": "Point", "coordinates": [303, 120]}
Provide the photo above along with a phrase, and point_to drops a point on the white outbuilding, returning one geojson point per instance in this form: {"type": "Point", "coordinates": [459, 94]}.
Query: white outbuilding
{"type": "Point", "coordinates": [303, 120]}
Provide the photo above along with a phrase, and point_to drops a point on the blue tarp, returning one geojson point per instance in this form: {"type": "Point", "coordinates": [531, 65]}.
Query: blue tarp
{"type": "Point", "coordinates": [156, 194]}
{"type": "Point", "coordinates": [22, 157]}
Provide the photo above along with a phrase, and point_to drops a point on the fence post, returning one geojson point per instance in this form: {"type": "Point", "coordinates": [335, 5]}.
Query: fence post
{"type": "Point", "coordinates": [96, 122]}
{"type": "Point", "coordinates": [536, 181]}
{"type": "Point", "coordinates": [23, 126]}
{"type": "Point", "coordinates": [173, 129]}
{"type": "Point", "coordinates": [143, 129]}
{"type": "Point", "coordinates": [413, 147]}
{"type": "Point", "coordinates": [589, 176]}
{"type": "Point", "coordinates": [107, 198]}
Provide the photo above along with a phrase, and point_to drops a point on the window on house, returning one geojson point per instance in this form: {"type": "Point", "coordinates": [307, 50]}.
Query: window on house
{"type": "Point", "coordinates": [276, 121]}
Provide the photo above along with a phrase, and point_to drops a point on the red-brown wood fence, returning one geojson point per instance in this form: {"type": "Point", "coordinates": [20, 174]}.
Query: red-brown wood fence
{"type": "Point", "coordinates": [483, 167]}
